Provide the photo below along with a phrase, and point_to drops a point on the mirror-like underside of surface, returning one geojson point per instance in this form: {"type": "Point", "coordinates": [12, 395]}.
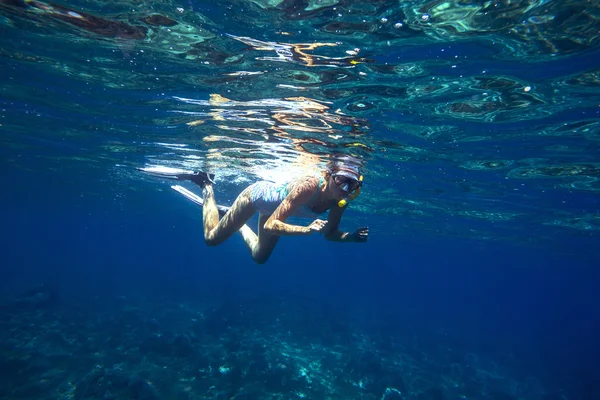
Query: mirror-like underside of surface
{"type": "Point", "coordinates": [474, 118]}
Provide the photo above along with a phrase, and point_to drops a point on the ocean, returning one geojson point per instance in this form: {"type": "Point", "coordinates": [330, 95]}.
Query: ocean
{"type": "Point", "coordinates": [477, 126]}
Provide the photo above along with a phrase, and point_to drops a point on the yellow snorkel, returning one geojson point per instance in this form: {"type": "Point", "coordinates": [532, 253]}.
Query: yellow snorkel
{"type": "Point", "coordinates": [343, 202]}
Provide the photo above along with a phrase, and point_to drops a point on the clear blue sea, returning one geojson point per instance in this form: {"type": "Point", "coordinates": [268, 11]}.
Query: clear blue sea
{"type": "Point", "coordinates": [478, 124]}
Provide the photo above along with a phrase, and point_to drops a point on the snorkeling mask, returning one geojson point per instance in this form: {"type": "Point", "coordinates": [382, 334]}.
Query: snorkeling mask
{"type": "Point", "coordinates": [348, 184]}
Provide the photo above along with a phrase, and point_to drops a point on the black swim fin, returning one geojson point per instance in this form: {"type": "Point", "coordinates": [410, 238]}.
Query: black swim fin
{"type": "Point", "coordinates": [198, 177]}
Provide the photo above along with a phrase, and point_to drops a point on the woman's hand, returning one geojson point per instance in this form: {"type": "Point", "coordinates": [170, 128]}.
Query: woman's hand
{"type": "Point", "coordinates": [362, 234]}
{"type": "Point", "coordinates": [317, 226]}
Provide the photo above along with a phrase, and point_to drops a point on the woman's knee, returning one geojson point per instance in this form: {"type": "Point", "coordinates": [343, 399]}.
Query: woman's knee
{"type": "Point", "coordinates": [212, 240]}
{"type": "Point", "coordinates": [261, 256]}
{"type": "Point", "coordinates": [260, 259]}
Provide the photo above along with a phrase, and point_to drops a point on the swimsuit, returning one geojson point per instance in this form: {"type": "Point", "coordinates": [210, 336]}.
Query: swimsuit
{"type": "Point", "coordinates": [267, 196]}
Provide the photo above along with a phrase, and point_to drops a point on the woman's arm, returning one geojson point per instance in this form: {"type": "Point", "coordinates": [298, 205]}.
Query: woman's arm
{"type": "Point", "coordinates": [299, 196]}
{"type": "Point", "coordinates": [332, 232]}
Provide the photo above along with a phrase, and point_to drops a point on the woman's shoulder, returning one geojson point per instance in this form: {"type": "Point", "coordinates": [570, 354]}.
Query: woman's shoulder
{"type": "Point", "coordinates": [306, 183]}
{"type": "Point", "coordinates": [308, 180]}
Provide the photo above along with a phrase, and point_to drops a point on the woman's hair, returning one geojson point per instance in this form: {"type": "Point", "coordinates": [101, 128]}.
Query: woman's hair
{"type": "Point", "coordinates": [344, 162]}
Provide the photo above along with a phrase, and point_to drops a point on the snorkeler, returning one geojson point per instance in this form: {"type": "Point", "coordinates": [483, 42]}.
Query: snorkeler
{"type": "Point", "coordinates": [308, 197]}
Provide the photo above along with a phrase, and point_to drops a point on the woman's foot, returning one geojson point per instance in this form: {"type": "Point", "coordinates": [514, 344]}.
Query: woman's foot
{"type": "Point", "coordinates": [199, 178]}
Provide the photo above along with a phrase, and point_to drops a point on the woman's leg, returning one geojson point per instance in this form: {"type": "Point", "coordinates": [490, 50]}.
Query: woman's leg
{"type": "Point", "coordinates": [260, 246]}
{"type": "Point", "coordinates": [266, 242]}
{"type": "Point", "coordinates": [217, 231]}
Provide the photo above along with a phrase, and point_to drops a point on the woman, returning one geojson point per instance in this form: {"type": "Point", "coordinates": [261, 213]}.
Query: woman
{"type": "Point", "coordinates": [308, 197]}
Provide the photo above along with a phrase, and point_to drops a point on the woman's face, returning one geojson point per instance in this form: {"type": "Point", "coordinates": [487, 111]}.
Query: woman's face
{"type": "Point", "coordinates": [336, 190]}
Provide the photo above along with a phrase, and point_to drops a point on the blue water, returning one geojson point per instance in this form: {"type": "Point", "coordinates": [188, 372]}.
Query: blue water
{"type": "Point", "coordinates": [479, 279]}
